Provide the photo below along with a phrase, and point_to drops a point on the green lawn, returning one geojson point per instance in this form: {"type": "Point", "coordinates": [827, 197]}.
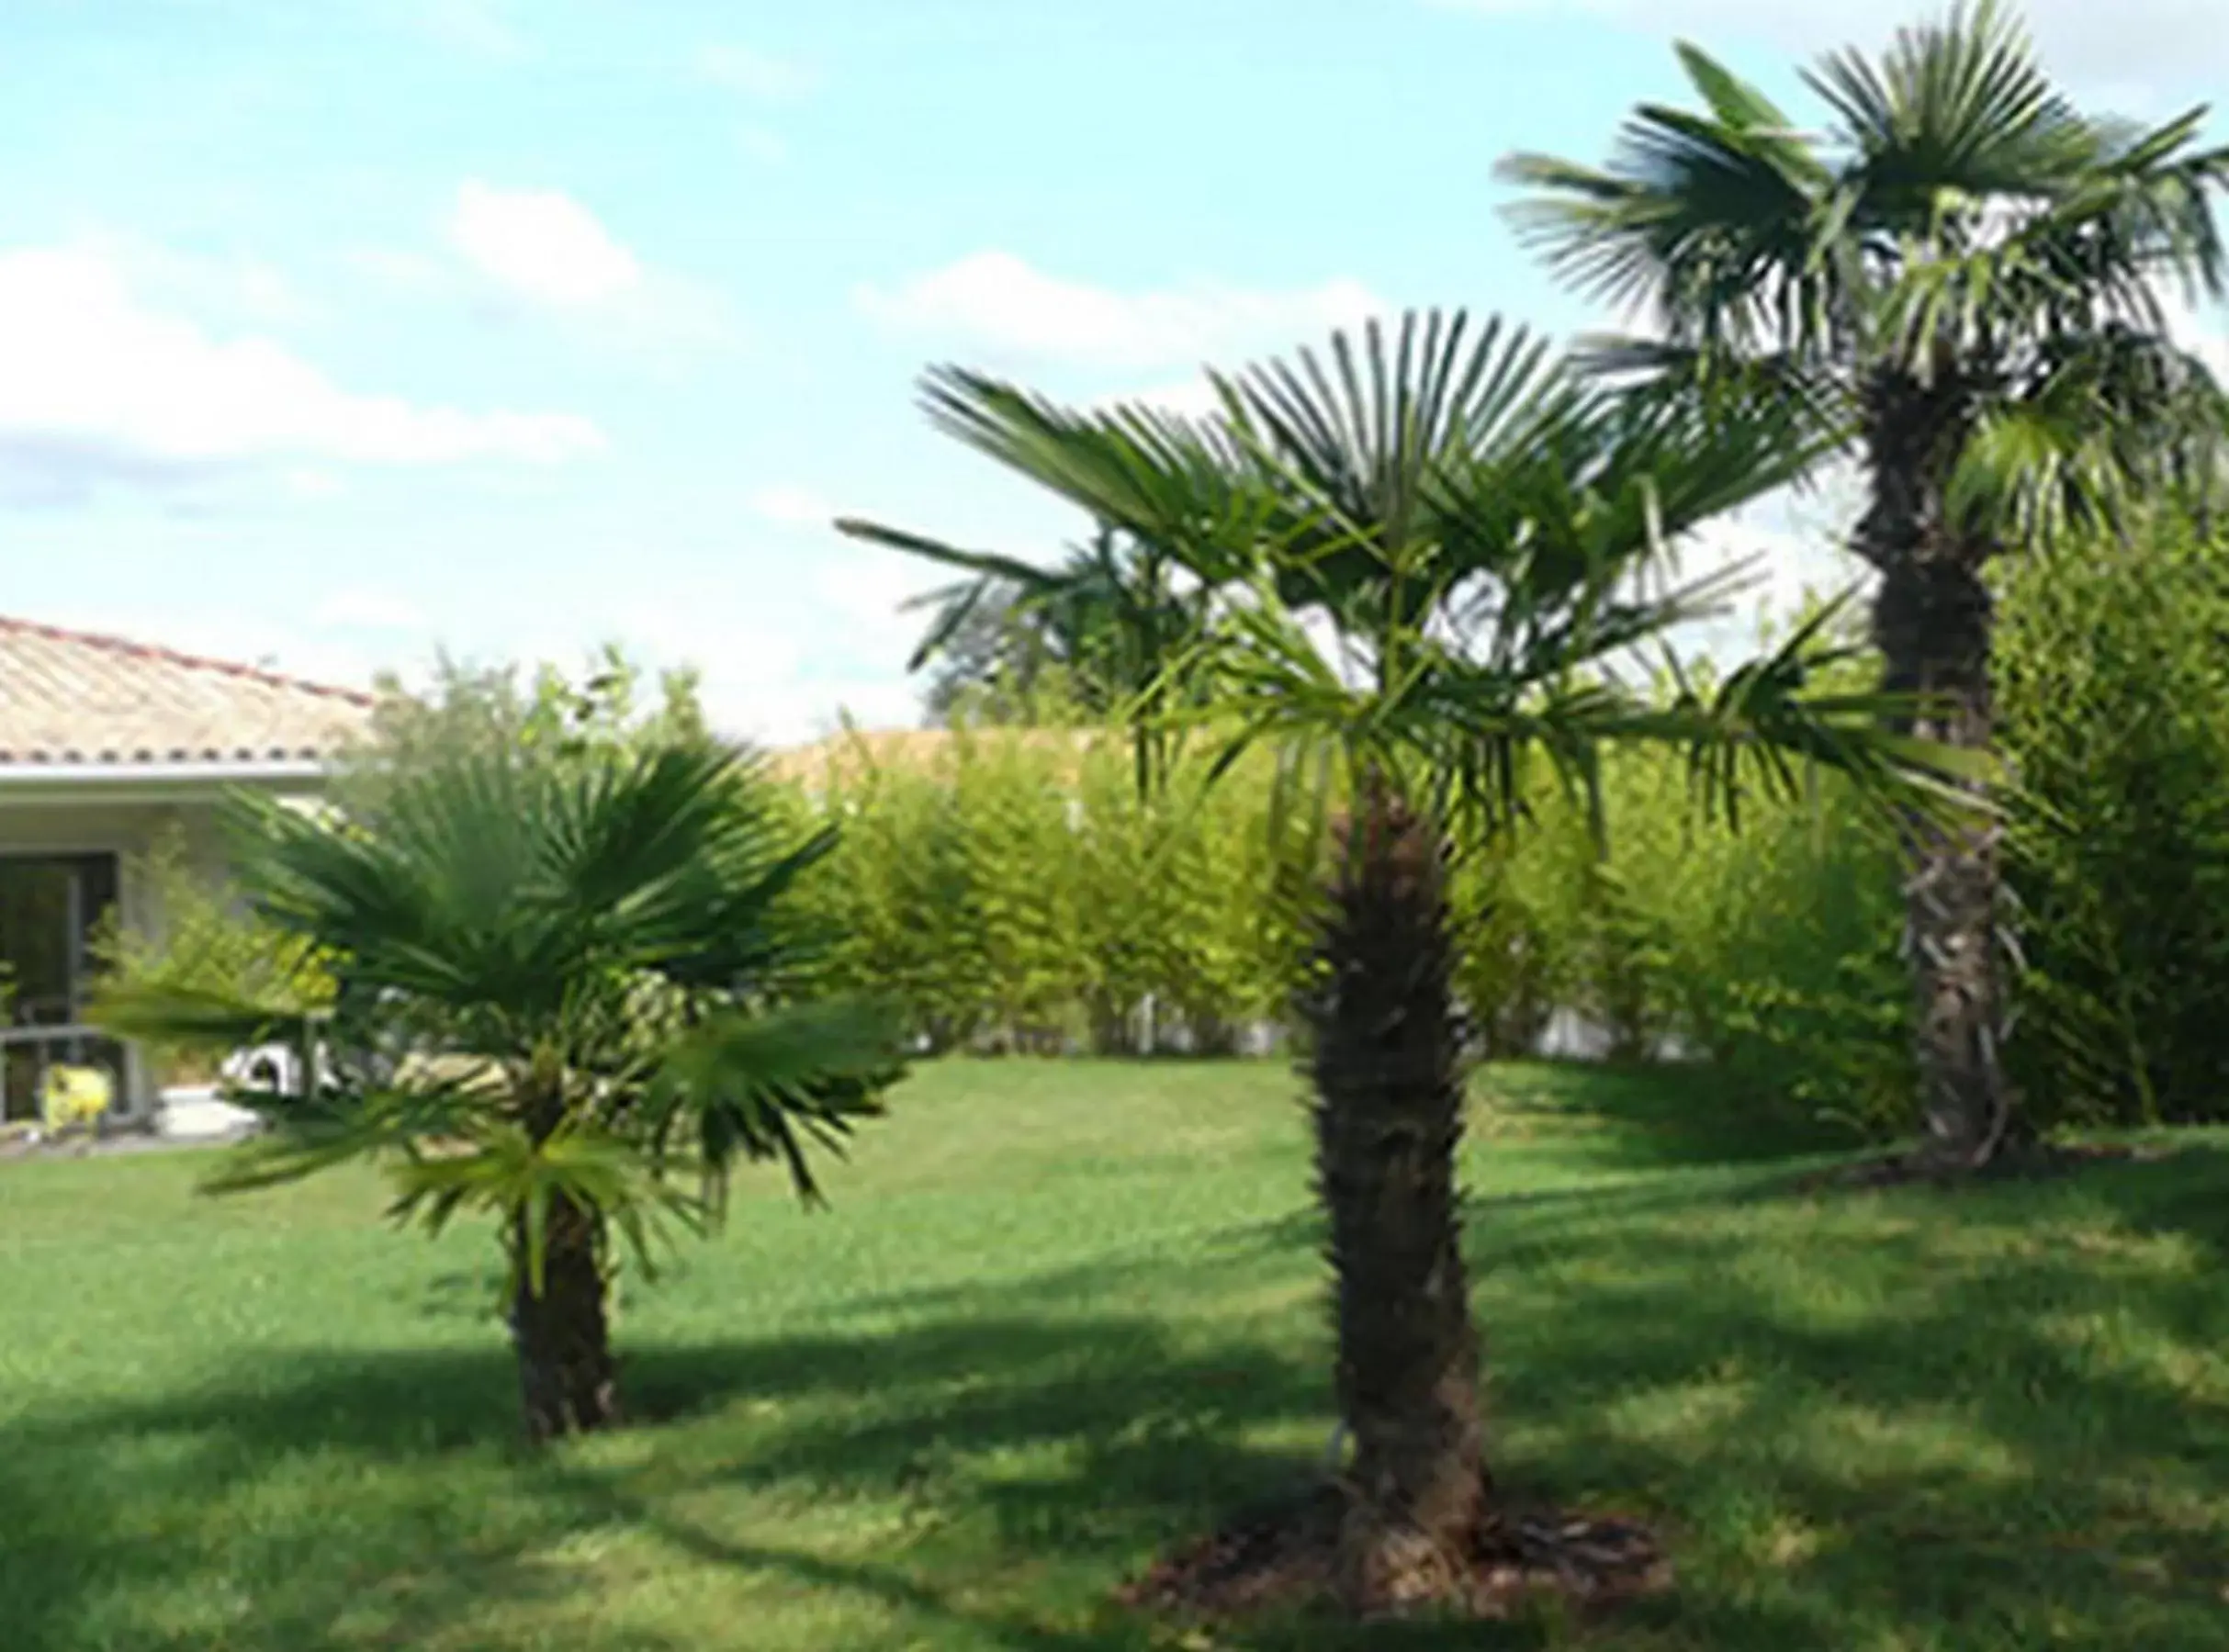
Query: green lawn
{"type": "Point", "coordinates": [1061, 1314]}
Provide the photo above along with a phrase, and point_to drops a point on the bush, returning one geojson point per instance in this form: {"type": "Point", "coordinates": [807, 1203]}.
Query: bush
{"type": "Point", "coordinates": [1010, 891]}
{"type": "Point", "coordinates": [1519, 903]}
{"type": "Point", "coordinates": [2113, 688]}
{"type": "Point", "coordinates": [1786, 957]}
{"type": "Point", "coordinates": [205, 941]}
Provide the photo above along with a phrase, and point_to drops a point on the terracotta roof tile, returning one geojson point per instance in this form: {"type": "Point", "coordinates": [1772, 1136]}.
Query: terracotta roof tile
{"type": "Point", "coordinates": [70, 698]}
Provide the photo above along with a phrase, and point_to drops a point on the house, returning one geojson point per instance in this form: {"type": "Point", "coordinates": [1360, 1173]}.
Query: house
{"type": "Point", "coordinates": [107, 748]}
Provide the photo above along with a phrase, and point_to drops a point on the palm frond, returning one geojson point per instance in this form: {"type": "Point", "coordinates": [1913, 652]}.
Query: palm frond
{"type": "Point", "coordinates": [1167, 479]}
{"type": "Point", "coordinates": [2111, 422]}
{"type": "Point", "coordinates": [509, 1172]}
{"type": "Point", "coordinates": [753, 1086]}
{"type": "Point", "coordinates": [1958, 110]}
{"type": "Point", "coordinates": [1449, 541]}
{"type": "Point", "coordinates": [190, 1018]}
{"type": "Point", "coordinates": [983, 564]}
{"type": "Point", "coordinates": [330, 1124]}
{"type": "Point", "coordinates": [1717, 226]}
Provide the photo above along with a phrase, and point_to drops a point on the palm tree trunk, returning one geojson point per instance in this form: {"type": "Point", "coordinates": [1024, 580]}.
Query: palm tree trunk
{"type": "Point", "coordinates": [1388, 1072]}
{"type": "Point", "coordinates": [1933, 623]}
{"type": "Point", "coordinates": [568, 1383]}
{"type": "Point", "coordinates": [1934, 620]}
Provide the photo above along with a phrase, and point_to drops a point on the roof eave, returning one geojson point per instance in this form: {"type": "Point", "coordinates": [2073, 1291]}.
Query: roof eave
{"type": "Point", "coordinates": [40, 782]}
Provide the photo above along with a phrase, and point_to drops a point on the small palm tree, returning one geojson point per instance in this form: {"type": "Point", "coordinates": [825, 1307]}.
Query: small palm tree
{"type": "Point", "coordinates": [1426, 552]}
{"type": "Point", "coordinates": [561, 1000]}
{"type": "Point", "coordinates": [1964, 275]}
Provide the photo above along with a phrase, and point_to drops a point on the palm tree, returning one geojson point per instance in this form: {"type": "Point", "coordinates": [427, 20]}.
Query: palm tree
{"type": "Point", "coordinates": [1425, 551]}
{"type": "Point", "coordinates": [561, 998]}
{"type": "Point", "coordinates": [1965, 277]}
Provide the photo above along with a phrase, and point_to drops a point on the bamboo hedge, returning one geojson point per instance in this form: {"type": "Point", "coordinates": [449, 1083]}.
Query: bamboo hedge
{"type": "Point", "coordinates": [1011, 892]}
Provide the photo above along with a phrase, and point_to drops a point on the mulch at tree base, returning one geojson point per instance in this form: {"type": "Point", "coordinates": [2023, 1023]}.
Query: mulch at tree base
{"type": "Point", "coordinates": [2027, 1163]}
{"type": "Point", "coordinates": [1284, 1557]}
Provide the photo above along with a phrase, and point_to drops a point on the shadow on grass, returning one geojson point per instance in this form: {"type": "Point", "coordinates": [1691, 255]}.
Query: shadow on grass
{"type": "Point", "coordinates": [1657, 1115]}
{"type": "Point", "coordinates": [2187, 1196]}
{"type": "Point", "coordinates": [1997, 1419]}
{"type": "Point", "coordinates": [383, 1503]}
{"type": "Point", "coordinates": [1974, 1426]}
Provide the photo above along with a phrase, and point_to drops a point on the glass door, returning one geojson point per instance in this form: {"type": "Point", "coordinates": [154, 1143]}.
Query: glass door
{"type": "Point", "coordinates": [51, 906]}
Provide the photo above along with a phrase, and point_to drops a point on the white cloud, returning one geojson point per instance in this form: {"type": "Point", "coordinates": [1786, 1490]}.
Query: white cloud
{"type": "Point", "coordinates": [228, 287]}
{"type": "Point", "coordinates": [542, 250]}
{"type": "Point", "coordinates": [540, 246]}
{"type": "Point", "coordinates": [102, 389]}
{"type": "Point", "coordinates": [778, 669]}
{"type": "Point", "coordinates": [309, 482]}
{"type": "Point", "coordinates": [756, 75]}
{"type": "Point", "coordinates": [995, 300]}
{"type": "Point", "coordinates": [400, 271]}
{"type": "Point", "coordinates": [1186, 397]}
{"type": "Point", "coordinates": [793, 507]}
{"type": "Point", "coordinates": [2127, 47]}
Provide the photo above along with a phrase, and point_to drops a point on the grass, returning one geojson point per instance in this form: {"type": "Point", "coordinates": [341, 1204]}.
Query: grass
{"type": "Point", "coordinates": [1060, 1315]}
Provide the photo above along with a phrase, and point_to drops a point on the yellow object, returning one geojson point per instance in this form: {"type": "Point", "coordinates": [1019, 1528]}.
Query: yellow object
{"type": "Point", "coordinates": [74, 1096]}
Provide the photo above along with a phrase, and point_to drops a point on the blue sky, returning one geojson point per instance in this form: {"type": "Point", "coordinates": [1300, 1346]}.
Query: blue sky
{"type": "Point", "coordinates": [332, 334]}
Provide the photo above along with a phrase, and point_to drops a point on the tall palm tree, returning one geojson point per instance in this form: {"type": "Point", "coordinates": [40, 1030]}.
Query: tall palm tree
{"type": "Point", "coordinates": [562, 1000]}
{"type": "Point", "coordinates": [1966, 277]}
{"type": "Point", "coordinates": [1425, 549]}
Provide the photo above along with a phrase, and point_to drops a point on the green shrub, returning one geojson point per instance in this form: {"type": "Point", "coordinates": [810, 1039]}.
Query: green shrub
{"type": "Point", "coordinates": [900, 895]}
{"type": "Point", "coordinates": [203, 940]}
{"type": "Point", "coordinates": [2113, 705]}
{"type": "Point", "coordinates": [1010, 891]}
{"type": "Point", "coordinates": [1770, 950]}
{"type": "Point", "coordinates": [1517, 902]}
{"type": "Point", "coordinates": [1786, 955]}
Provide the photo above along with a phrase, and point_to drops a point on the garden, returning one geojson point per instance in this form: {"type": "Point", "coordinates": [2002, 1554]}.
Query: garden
{"type": "Point", "coordinates": [1084, 1173]}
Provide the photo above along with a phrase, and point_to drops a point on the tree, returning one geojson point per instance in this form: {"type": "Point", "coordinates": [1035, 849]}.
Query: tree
{"type": "Point", "coordinates": [563, 976]}
{"type": "Point", "coordinates": [984, 660]}
{"type": "Point", "coordinates": [1965, 277]}
{"type": "Point", "coordinates": [1115, 621]}
{"type": "Point", "coordinates": [1423, 553]}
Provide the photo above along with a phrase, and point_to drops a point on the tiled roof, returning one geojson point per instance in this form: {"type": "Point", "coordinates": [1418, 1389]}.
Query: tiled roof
{"type": "Point", "coordinates": [68, 699]}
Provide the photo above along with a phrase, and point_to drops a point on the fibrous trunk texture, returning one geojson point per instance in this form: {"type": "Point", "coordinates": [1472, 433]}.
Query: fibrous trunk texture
{"type": "Point", "coordinates": [1388, 1073]}
{"type": "Point", "coordinates": [568, 1383]}
{"type": "Point", "coordinates": [1932, 619]}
